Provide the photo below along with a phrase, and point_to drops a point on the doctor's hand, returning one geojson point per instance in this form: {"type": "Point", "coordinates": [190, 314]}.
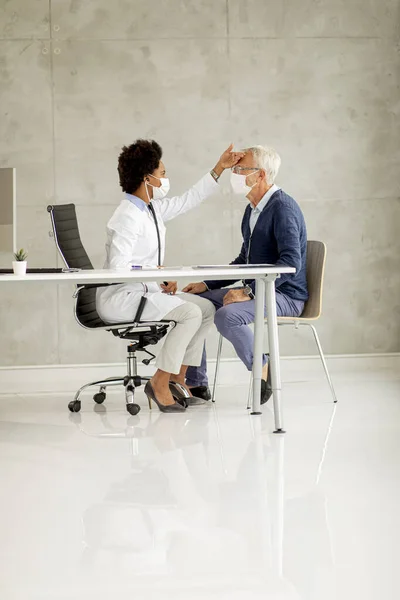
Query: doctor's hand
{"type": "Point", "coordinates": [228, 159]}
{"type": "Point", "coordinates": [195, 288]}
{"type": "Point", "coordinates": [235, 296]}
{"type": "Point", "coordinates": [169, 287]}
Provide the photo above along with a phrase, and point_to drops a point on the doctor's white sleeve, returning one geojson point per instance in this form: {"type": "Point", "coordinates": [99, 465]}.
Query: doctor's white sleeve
{"type": "Point", "coordinates": [169, 208]}
{"type": "Point", "coordinates": [122, 249]}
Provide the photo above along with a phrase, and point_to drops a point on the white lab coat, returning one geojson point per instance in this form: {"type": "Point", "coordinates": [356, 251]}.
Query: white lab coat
{"type": "Point", "coordinates": [132, 240]}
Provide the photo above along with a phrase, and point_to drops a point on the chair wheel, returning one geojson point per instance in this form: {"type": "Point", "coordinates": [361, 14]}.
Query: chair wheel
{"type": "Point", "coordinates": [74, 406]}
{"type": "Point", "coordinates": [99, 397]}
{"type": "Point", "coordinates": [133, 409]}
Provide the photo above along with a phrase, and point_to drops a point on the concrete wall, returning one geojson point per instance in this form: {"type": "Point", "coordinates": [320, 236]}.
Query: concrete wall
{"type": "Point", "coordinates": [319, 81]}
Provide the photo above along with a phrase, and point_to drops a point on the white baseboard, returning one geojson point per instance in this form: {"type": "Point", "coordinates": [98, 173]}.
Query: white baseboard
{"type": "Point", "coordinates": [68, 378]}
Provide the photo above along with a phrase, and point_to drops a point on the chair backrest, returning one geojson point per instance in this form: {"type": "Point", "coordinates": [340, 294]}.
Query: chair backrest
{"type": "Point", "coordinates": [316, 256]}
{"type": "Point", "coordinates": [69, 244]}
{"type": "Point", "coordinates": [67, 237]}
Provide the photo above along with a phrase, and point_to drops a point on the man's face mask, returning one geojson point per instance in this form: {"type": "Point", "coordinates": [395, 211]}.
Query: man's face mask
{"type": "Point", "coordinates": [238, 180]}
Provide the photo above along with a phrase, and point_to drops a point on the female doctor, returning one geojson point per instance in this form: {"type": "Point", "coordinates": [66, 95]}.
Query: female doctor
{"type": "Point", "coordinates": [136, 236]}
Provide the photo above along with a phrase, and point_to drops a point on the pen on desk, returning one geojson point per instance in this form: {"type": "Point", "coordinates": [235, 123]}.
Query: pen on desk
{"type": "Point", "coordinates": [169, 293]}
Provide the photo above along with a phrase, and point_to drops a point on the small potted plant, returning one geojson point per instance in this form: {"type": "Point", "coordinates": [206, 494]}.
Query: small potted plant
{"type": "Point", "coordinates": [19, 264]}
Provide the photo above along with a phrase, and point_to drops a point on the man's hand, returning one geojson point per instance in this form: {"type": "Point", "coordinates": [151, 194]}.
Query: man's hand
{"type": "Point", "coordinates": [169, 287]}
{"type": "Point", "coordinates": [195, 288]}
{"type": "Point", "coordinates": [235, 296]}
{"type": "Point", "coordinates": [228, 159]}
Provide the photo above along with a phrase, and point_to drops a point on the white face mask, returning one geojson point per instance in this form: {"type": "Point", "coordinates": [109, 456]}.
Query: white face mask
{"type": "Point", "coordinates": [162, 191]}
{"type": "Point", "coordinates": [239, 185]}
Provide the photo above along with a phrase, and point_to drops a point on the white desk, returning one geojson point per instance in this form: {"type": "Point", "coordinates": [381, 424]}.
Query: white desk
{"type": "Point", "coordinates": [265, 287]}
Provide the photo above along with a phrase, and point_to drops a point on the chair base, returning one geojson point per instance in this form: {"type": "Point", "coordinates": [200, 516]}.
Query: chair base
{"type": "Point", "coordinates": [130, 382]}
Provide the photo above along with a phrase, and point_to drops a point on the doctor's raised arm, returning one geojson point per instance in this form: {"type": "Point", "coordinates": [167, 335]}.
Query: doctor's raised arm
{"type": "Point", "coordinates": [170, 207]}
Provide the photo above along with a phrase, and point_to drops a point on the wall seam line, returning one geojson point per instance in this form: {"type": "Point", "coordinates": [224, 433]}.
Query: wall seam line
{"type": "Point", "coordinates": [54, 173]}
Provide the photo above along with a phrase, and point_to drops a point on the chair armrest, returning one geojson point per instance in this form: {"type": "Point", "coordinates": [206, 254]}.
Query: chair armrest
{"type": "Point", "coordinates": [83, 286]}
{"type": "Point", "coordinates": [123, 330]}
{"type": "Point", "coordinates": [137, 325]}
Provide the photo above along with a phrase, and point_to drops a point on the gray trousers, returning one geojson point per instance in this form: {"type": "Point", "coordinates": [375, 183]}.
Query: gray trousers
{"type": "Point", "coordinates": [232, 322]}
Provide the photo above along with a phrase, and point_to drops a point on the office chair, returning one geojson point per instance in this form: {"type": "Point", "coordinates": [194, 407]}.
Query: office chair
{"type": "Point", "coordinates": [316, 258]}
{"type": "Point", "coordinates": [141, 334]}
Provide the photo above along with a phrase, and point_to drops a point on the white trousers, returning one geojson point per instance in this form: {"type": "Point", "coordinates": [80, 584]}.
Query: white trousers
{"type": "Point", "coordinates": [184, 343]}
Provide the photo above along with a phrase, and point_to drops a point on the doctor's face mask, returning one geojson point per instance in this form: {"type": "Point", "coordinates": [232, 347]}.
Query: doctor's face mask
{"type": "Point", "coordinates": [159, 191]}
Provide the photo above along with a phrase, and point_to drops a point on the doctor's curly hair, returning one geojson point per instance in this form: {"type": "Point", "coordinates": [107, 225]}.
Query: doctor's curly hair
{"type": "Point", "coordinates": [136, 161]}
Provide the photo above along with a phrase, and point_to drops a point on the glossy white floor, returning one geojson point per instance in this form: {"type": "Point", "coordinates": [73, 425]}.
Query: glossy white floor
{"type": "Point", "coordinates": [209, 504]}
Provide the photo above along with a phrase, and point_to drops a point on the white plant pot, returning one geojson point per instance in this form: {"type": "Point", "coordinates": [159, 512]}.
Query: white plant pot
{"type": "Point", "coordinates": [19, 267]}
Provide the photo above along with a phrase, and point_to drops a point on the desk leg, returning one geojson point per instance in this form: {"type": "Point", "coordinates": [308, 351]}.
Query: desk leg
{"type": "Point", "coordinates": [258, 345]}
{"type": "Point", "coordinates": [274, 359]}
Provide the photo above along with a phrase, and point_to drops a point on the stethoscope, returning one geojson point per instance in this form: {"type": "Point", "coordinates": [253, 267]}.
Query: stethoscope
{"type": "Point", "coordinates": [153, 212]}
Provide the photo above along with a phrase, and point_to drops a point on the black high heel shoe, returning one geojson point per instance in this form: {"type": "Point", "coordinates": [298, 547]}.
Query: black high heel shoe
{"type": "Point", "coordinates": [166, 408]}
{"type": "Point", "coordinates": [181, 394]}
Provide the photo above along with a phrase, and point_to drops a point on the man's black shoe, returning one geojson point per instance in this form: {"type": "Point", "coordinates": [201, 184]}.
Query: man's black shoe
{"type": "Point", "coordinates": [266, 387]}
{"type": "Point", "coordinates": [201, 391]}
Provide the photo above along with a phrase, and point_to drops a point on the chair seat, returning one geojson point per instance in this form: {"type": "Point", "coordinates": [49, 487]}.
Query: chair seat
{"type": "Point", "coordinates": [295, 319]}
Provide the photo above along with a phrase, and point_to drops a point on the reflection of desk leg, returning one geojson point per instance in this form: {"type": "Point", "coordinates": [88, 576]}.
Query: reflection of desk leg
{"type": "Point", "coordinates": [220, 443]}
{"type": "Point", "coordinates": [263, 515]}
{"type": "Point", "coordinates": [277, 519]}
{"type": "Point", "coordinates": [274, 362]}
{"type": "Point", "coordinates": [258, 345]}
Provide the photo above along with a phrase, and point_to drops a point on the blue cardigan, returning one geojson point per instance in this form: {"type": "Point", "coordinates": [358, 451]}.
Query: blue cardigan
{"type": "Point", "coordinates": [279, 236]}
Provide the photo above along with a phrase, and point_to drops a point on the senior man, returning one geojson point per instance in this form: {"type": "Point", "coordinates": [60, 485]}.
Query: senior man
{"type": "Point", "coordinates": [274, 232]}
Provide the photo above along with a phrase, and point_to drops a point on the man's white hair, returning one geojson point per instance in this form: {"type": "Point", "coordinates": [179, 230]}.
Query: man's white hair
{"type": "Point", "coordinates": [268, 159]}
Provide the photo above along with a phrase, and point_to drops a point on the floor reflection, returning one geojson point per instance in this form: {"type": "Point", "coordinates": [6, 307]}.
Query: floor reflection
{"type": "Point", "coordinates": [204, 504]}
